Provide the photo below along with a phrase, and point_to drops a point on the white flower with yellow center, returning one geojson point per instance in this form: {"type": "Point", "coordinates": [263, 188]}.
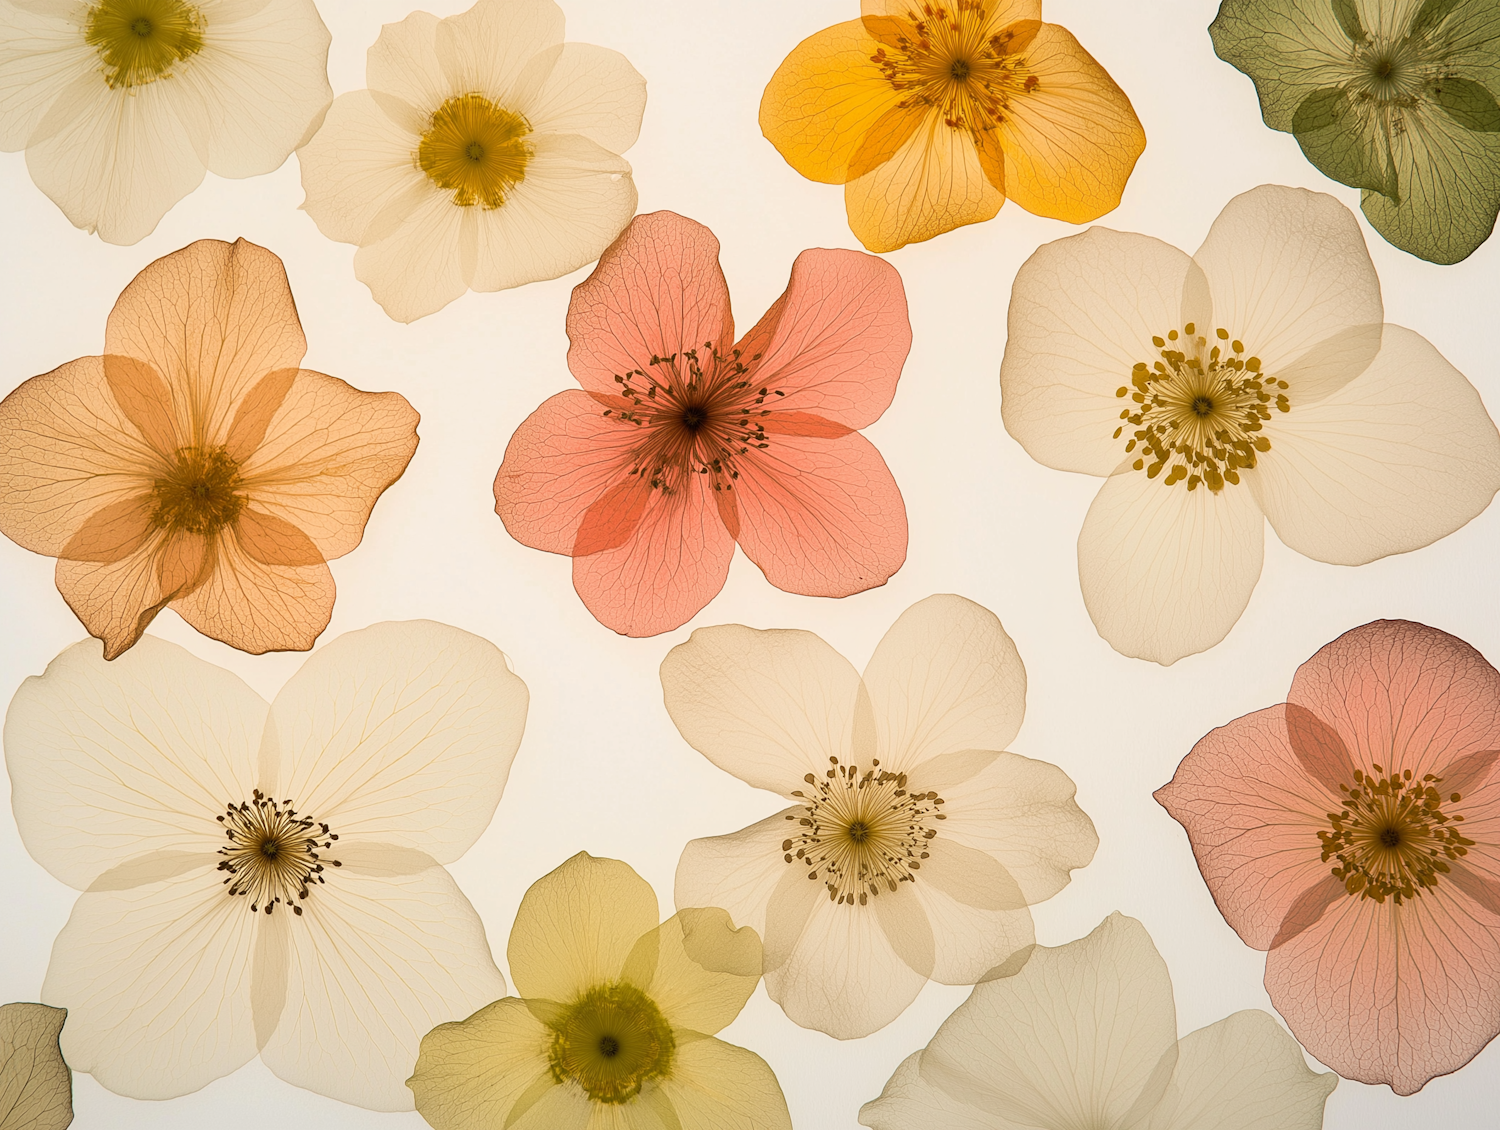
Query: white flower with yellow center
{"type": "Point", "coordinates": [913, 845]}
{"type": "Point", "coordinates": [1251, 381]}
{"type": "Point", "coordinates": [265, 879]}
{"type": "Point", "coordinates": [485, 154]}
{"type": "Point", "coordinates": [122, 104]}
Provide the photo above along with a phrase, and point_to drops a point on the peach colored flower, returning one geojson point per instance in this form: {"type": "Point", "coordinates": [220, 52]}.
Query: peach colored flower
{"type": "Point", "coordinates": [194, 464]}
{"type": "Point", "coordinates": [1354, 833]}
{"type": "Point", "coordinates": [683, 441]}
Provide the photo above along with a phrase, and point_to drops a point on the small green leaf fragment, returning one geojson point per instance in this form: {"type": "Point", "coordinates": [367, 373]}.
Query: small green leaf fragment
{"type": "Point", "coordinates": [1468, 103]}
{"type": "Point", "coordinates": [1348, 16]}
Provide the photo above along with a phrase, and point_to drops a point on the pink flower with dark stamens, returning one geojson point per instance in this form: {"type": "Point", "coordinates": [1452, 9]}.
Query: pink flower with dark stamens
{"type": "Point", "coordinates": [683, 442]}
{"type": "Point", "coordinates": [1354, 833]}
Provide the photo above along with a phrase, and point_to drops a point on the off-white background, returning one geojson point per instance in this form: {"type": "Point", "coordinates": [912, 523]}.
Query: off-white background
{"type": "Point", "coordinates": [601, 768]}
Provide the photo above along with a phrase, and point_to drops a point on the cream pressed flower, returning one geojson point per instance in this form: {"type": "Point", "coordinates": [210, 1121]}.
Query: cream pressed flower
{"type": "Point", "coordinates": [614, 1028]}
{"type": "Point", "coordinates": [913, 845]}
{"type": "Point", "coordinates": [485, 154]}
{"type": "Point", "coordinates": [36, 1087]}
{"type": "Point", "coordinates": [1253, 381]}
{"type": "Point", "coordinates": [265, 879]}
{"type": "Point", "coordinates": [121, 105]}
{"type": "Point", "coordinates": [1085, 1038]}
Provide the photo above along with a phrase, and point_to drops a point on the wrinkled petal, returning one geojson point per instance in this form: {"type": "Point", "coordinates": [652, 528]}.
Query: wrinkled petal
{"type": "Point", "coordinates": [485, 48]}
{"type": "Point", "coordinates": [701, 969]}
{"type": "Point", "coordinates": [358, 166]}
{"type": "Point", "coordinates": [717, 1085]}
{"type": "Point", "coordinates": [586, 90]}
{"type": "Point", "coordinates": [738, 872]}
{"type": "Point", "coordinates": [472, 1072]}
{"type": "Point", "coordinates": [977, 912]}
{"type": "Point", "coordinates": [36, 1087]}
{"type": "Point", "coordinates": [402, 733]}
{"type": "Point", "coordinates": [109, 761]}
{"type": "Point", "coordinates": [426, 260]}
{"type": "Point", "coordinates": [1166, 571]}
{"type": "Point", "coordinates": [910, 1102]}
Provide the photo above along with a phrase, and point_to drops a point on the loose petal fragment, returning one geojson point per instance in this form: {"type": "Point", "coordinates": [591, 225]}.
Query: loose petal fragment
{"type": "Point", "coordinates": [36, 1087]}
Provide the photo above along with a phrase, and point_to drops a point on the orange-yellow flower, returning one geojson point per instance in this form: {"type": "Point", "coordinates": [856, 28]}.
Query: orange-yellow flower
{"type": "Point", "coordinates": [196, 464]}
{"type": "Point", "coordinates": [931, 114]}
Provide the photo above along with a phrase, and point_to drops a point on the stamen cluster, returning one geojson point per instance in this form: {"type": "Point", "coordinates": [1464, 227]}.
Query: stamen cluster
{"type": "Point", "coordinates": [200, 494]}
{"type": "Point", "coordinates": [1199, 412]}
{"type": "Point", "coordinates": [862, 832]}
{"type": "Point", "coordinates": [273, 853]}
{"type": "Point", "coordinates": [1391, 838]}
{"type": "Point", "coordinates": [139, 40]}
{"type": "Point", "coordinates": [476, 150]}
{"type": "Point", "coordinates": [611, 1041]}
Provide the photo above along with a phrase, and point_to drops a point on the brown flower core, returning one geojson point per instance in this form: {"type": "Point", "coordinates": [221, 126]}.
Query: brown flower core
{"type": "Point", "coordinates": [140, 40]}
{"type": "Point", "coordinates": [476, 150]}
{"type": "Point", "coordinates": [272, 854]}
{"type": "Point", "coordinates": [611, 1041]}
{"type": "Point", "coordinates": [950, 60]}
{"type": "Point", "coordinates": [200, 494]}
{"type": "Point", "coordinates": [863, 832]}
{"type": "Point", "coordinates": [1392, 838]}
{"type": "Point", "coordinates": [1199, 410]}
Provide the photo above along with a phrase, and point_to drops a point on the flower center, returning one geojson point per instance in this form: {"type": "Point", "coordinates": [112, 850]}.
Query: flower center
{"type": "Point", "coordinates": [200, 494]}
{"type": "Point", "coordinates": [476, 150]}
{"type": "Point", "coordinates": [697, 418]}
{"type": "Point", "coordinates": [1392, 838]}
{"type": "Point", "coordinates": [946, 57]}
{"type": "Point", "coordinates": [139, 40]}
{"type": "Point", "coordinates": [610, 1041]}
{"type": "Point", "coordinates": [1199, 412]}
{"type": "Point", "coordinates": [862, 832]}
{"type": "Point", "coordinates": [272, 854]}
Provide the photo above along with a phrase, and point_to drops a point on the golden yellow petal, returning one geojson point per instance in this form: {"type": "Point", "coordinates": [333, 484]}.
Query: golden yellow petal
{"type": "Point", "coordinates": [475, 1072]}
{"type": "Point", "coordinates": [697, 968]}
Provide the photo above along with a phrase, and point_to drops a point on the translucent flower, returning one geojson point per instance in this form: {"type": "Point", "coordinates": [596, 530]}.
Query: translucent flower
{"type": "Point", "coordinates": [122, 104]}
{"type": "Point", "coordinates": [932, 113]}
{"type": "Point", "coordinates": [1253, 381]}
{"type": "Point", "coordinates": [265, 880]}
{"type": "Point", "coordinates": [1394, 97]}
{"type": "Point", "coordinates": [683, 441]}
{"type": "Point", "coordinates": [912, 846]}
{"type": "Point", "coordinates": [36, 1087]}
{"type": "Point", "coordinates": [485, 155]}
{"type": "Point", "coordinates": [1085, 1038]}
{"type": "Point", "coordinates": [615, 1024]}
{"type": "Point", "coordinates": [194, 464]}
{"type": "Point", "coordinates": [1351, 831]}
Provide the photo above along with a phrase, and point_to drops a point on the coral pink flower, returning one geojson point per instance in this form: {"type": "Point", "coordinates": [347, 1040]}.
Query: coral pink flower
{"type": "Point", "coordinates": [683, 442]}
{"type": "Point", "coordinates": [1354, 832]}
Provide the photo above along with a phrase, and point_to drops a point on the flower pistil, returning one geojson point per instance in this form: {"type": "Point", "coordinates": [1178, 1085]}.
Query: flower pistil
{"type": "Point", "coordinates": [611, 1041]}
{"type": "Point", "coordinates": [476, 150]}
{"type": "Point", "coordinates": [273, 853]}
{"type": "Point", "coordinates": [200, 494]}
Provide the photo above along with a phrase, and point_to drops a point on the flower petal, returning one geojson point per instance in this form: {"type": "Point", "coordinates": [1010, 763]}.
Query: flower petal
{"type": "Point", "coordinates": [156, 980]}
{"type": "Point", "coordinates": [577, 925]}
{"type": "Point", "coordinates": [910, 1102]}
{"type": "Point", "coordinates": [1165, 571]}
{"type": "Point", "coordinates": [402, 733]}
{"type": "Point", "coordinates": [767, 706]}
{"type": "Point", "coordinates": [738, 872]}
{"type": "Point", "coordinates": [485, 48]}
{"type": "Point", "coordinates": [36, 1087]}
{"type": "Point", "coordinates": [376, 963]}
{"type": "Point", "coordinates": [1289, 48]}
{"type": "Point", "coordinates": [697, 968]}
{"type": "Point", "coordinates": [109, 761]}
{"type": "Point", "coordinates": [1082, 313]}
{"type": "Point", "coordinates": [1389, 463]}
{"type": "Point", "coordinates": [585, 90]}
{"type": "Point", "coordinates": [1072, 139]}
{"type": "Point", "coordinates": [116, 600]}
{"type": "Point", "coordinates": [357, 165]}
{"type": "Point", "coordinates": [41, 54]}
{"type": "Point", "coordinates": [472, 1072]}
{"type": "Point", "coordinates": [714, 1084]}
{"type": "Point", "coordinates": [657, 290]}
{"type": "Point", "coordinates": [977, 912]}
{"type": "Point", "coordinates": [419, 267]}
{"type": "Point", "coordinates": [403, 64]}
{"type": "Point", "coordinates": [821, 517]}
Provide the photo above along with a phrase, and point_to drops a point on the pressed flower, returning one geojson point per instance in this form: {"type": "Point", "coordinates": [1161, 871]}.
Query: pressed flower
{"type": "Point", "coordinates": [122, 104]}
{"type": "Point", "coordinates": [1084, 1037]}
{"type": "Point", "coordinates": [1253, 381]}
{"type": "Point", "coordinates": [36, 1087]}
{"type": "Point", "coordinates": [265, 879]}
{"type": "Point", "coordinates": [1395, 97]}
{"type": "Point", "coordinates": [913, 845]}
{"type": "Point", "coordinates": [194, 464]}
{"type": "Point", "coordinates": [1351, 832]}
{"type": "Point", "coordinates": [485, 154]}
{"type": "Point", "coordinates": [683, 441]}
{"type": "Point", "coordinates": [615, 1023]}
{"type": "Point", "coordinates": [932, 113]}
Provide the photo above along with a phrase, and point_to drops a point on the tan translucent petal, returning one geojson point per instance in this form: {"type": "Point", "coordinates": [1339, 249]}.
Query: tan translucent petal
{"type": "Point", "coordinates": [116, 600]}
{"type": "Point", "coordinates": [717, 1085]}
{"type": "Point", "coordinates": [36, 1087]}
{"type": "Point", "coordinates": [157, 984]}
{"type": "Point", "coordinates": [41, 53]}
{"type": "Point", "coordinates": [212, 320]}
{"type": "Point", "coordinates": [376, 963]}
{"type": "Point", "coordinates": [109, 761]}
{"type": "Point", "coordinates": [910, 1102]}
{"type": "Point", "coordinates": [737, 872]}
{"type": "Point", "coordinates": [358, 165]}
{"type": "Point", "coordinates": [401, 733]}
{"type": "Point", "coordinates": [697, 968]}
{"type": "Point", "coordinates": [583, 89]}
{"type": "Point", "coordinates": [577, 925]}
{"type": "Point", "coordinates": [486, 47]}
{"type": "Point", "coordinates": [977, 913]}
{"type": "Point", "coordinates": [472, 1072]}
{"type": "Point", "coordinates": [403, 64]}
{"type": "Point", "coordinates": [427, 258]}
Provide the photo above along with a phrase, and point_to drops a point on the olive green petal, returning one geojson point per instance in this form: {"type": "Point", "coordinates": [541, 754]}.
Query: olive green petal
{"type": "Point", "coordinates": [1290, 49]}
{"type": "Point", "coordinates": [1329, 131]}
{"type": "Point", "coordinates": [1470, 31]}
{"type": "Point", "coordinates": [36, 1087]}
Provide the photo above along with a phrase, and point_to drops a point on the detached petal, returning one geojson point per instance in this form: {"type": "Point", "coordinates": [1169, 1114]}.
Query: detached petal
{"type": "Point", "coordinates": [583, 89]}
{"type": "Point", "coordinates": [910, 1102]}
{"type": "Point", "coordinates": [36, 1087]}
{"type": "Point", "coordinates": [714, 1084]}
{"type": "Point", "coordinates": [357, 170]}
{"type": "Point", "coordinates": [471, 1072]}
{"type": "Point", "coordinates": [1167, 571]}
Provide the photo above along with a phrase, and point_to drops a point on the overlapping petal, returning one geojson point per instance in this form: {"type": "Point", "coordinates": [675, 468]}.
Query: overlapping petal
{"type": "Point", "coordinates": [474, 1072]}
{"type": "Point", "coordinates": [717, 1084]}
{"type": "Point", "coordinates": [701, 971]}
{"type": "Point", "coordinates": [738, 872]}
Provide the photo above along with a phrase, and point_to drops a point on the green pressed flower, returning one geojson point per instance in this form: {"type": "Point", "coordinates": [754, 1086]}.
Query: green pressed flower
{"type": "Point", "coordinates": [1395, 97]}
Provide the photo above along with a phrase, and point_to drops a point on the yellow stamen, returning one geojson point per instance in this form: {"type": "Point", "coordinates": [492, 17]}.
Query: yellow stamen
{"type": "Point", "coordinates": [476, 150]}
{"type": "Point", "coordinates": [611, 1041]}
{"type": "Point", "coordinates": [139, 41]}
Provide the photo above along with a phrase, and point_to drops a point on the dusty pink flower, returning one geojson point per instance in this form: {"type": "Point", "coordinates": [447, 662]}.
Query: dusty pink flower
{"type": "Point", "coordinates": [1354, 833]}
{"type": "Point", "coordinates": [683, 442]}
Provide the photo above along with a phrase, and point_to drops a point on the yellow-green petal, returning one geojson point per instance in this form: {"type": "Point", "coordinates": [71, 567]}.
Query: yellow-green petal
{"type": "Point", "coordinates": [483, 1071]}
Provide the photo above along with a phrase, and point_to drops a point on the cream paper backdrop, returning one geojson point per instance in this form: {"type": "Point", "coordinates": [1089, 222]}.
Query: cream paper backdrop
{"type": "Point", "coordinates": [601, 768]}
